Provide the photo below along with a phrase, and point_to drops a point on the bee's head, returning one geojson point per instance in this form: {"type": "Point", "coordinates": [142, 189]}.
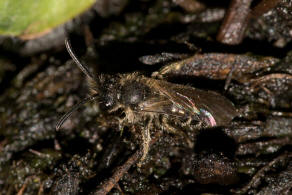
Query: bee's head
{"type": "Point", "coordinates": [108, 89]}
{"type": "Point", "coordinates": [109, 92]}
{"type": "Point", "coordinates": [103, 88]}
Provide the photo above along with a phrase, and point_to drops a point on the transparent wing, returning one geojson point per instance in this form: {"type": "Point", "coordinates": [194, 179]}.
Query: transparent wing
{"type": "Point", "coordinates": [159, 105]}
{"type": "Point", "coordinates": [209, 106]}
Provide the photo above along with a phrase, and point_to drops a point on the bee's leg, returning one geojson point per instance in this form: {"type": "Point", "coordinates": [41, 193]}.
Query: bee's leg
{"type": "Point", "coordinates": [115, 108]}
{"type": "Point", "coordinates": [121, 125]}
{"type": "Point", "coordinates": [146, 138]}
{"type": "Point", "coordinates": [167, 126]}
{"type": "Point", "coordinates": [121, 121]}
{"type": "Point", "coordinates": [173, 130]}
{"type": "Point", "coordinates": [187, 123]}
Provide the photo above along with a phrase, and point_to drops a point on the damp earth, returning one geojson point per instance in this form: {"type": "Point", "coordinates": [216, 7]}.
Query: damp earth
{"type": "Point", "coordinates": [175, 41]}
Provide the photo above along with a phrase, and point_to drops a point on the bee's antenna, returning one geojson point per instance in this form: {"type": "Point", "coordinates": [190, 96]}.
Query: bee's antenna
{"type": "Point", "coordinates": [74, 108]}
{"type": "Point", "coordinates": [82, 67]}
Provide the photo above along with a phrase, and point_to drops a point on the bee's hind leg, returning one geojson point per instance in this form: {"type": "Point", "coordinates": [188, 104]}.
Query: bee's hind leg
{"type": "Point", "coordinates": [169, 128]}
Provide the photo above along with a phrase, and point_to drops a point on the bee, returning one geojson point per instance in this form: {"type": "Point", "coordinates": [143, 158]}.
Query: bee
{"type": "Point", "coordinates": [153, 104]}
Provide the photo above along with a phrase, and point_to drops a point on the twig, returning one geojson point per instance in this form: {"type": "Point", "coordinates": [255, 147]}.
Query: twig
{"type": "Point", "coordinates": [256, 180]}
{"type": "Point", "coordinates": [237, 19]}
{"type": "Point", "coordinates": [263, 7]}
{"type": "Point", "coordinates": [235, 22]}
{"type": "Point", "coordinates": [39, 154]}
{"type": "Point", "coordinates": [41, 189]}
{"type": "Point", "coordinates": [23, 187]}
{"type": "Point", "coordinates": [119, 172]}
{"type": "Point", "coordinates": [20, 192]}
{"type": "Point", "coordinates": [259, 81]}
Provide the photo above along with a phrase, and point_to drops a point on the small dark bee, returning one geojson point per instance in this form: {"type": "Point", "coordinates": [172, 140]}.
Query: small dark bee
{"type": "Point", "coordinates": [154, 104]}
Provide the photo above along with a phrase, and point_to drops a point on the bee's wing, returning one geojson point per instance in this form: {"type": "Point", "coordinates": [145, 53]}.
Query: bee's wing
{"type": "Point", "coordinates": [214, 104]}
{"type": "Point", "coordinates": [216, 108]}
{"type": "Point", "coordinates": [157, 104]}
{"type": "Point", "coordinates": [178, 99]}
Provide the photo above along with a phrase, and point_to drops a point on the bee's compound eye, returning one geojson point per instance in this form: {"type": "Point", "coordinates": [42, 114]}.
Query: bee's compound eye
{"type": "Point", "coordinates": [133, 93]}
{"type": "Point", "coordinates": [108, 98]}
{"type": "Point", "coordinates": [107, 101]}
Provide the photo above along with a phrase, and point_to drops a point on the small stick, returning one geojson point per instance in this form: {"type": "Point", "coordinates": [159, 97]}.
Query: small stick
{"type": "Point", "coordinates": [119, 172]}
{"type": "Point", "coordinates": [258, 81]}
{"type": "Point", "coordinates": [263, 7]}
{"type": "Point", "coordinates": [20, 192]}
{"type": "Point", "coordinates": [107, 186]}
{"type": "Point", "coordinates": [41, 189]}
{"type": "Point", "coordinates": [23, 187]}
{"type": "Point", "coordinates": [256, 180]}
{"type": "Point", "coordinates": [235, 22]}
{"type": "Point", "coordinates": [237, 19]}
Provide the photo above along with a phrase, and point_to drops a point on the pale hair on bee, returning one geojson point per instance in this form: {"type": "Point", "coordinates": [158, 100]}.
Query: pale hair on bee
{"type": "Point", "coordinates": [149, 104]}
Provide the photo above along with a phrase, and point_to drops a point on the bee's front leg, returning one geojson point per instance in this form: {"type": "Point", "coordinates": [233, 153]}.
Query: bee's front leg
{"type": "Point", "coordinates": [146, 138]}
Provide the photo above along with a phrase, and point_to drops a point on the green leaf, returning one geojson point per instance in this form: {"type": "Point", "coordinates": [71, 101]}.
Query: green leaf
{"type": "Point", "coordinates": [30, 18]}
